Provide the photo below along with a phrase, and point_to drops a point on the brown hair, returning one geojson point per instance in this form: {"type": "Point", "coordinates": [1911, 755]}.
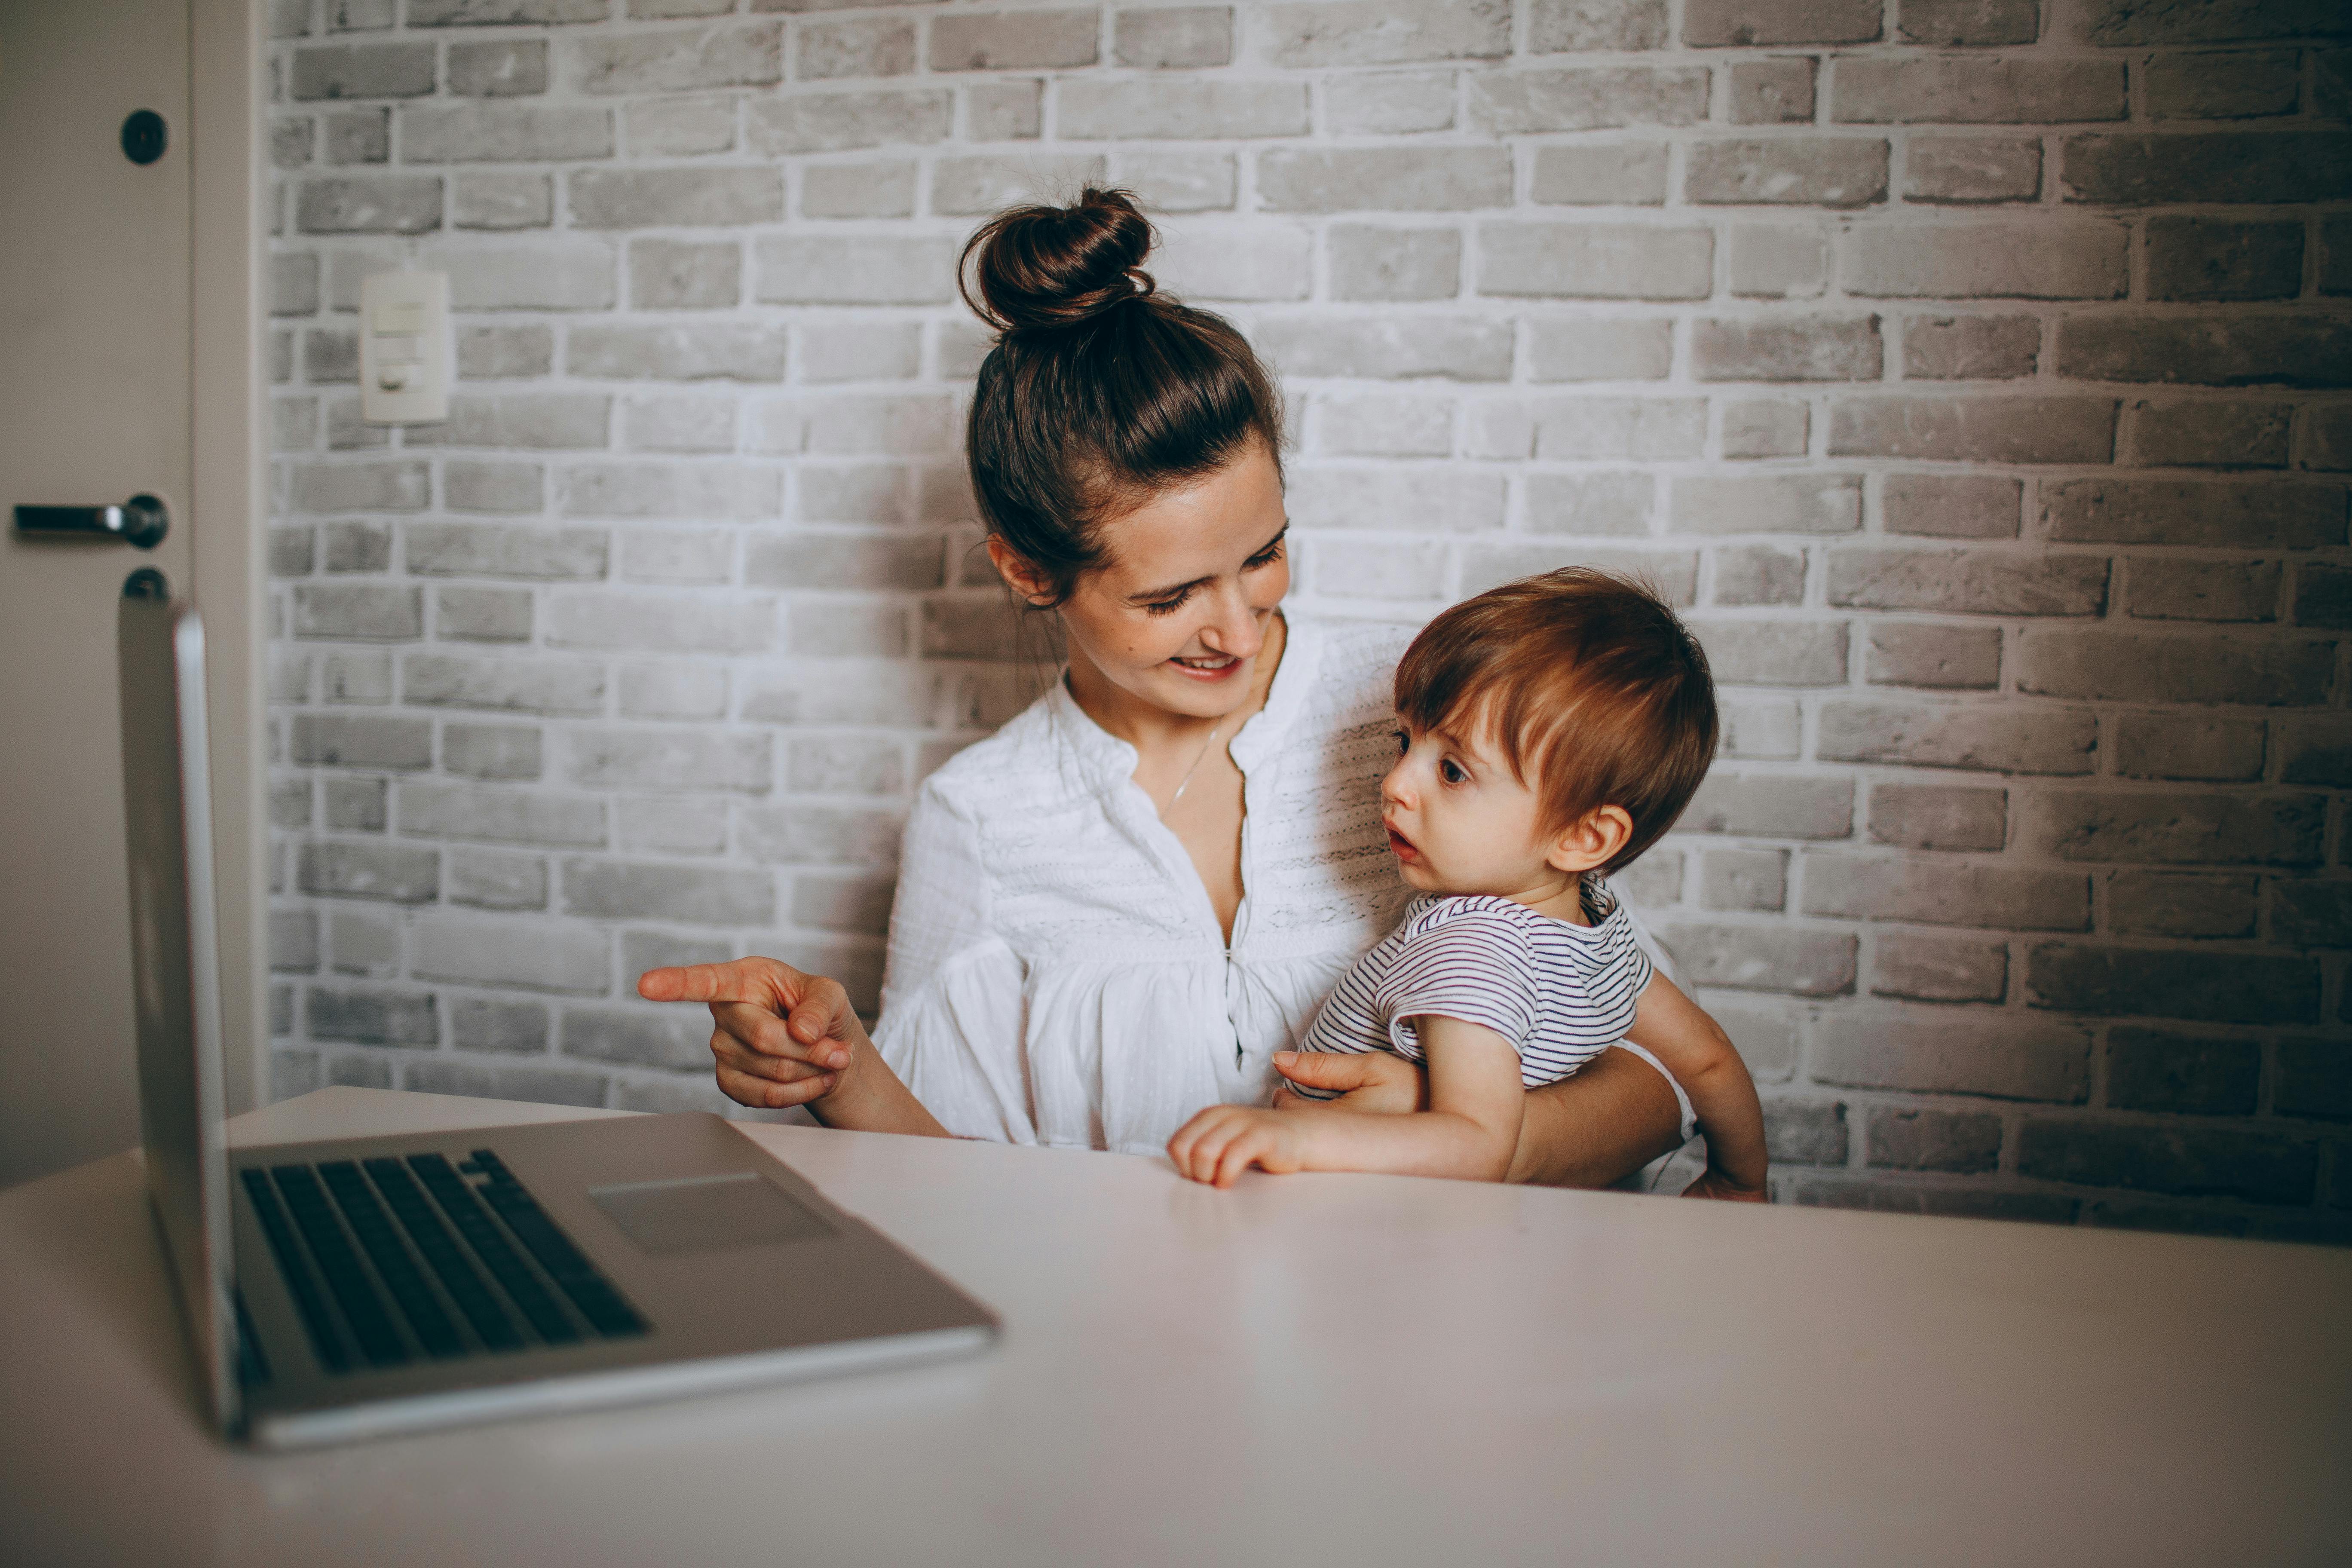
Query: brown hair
{"type": "Point", "coordinates": [1587, 679]}
{"type": "Point", "coordinates": [1100, 390]}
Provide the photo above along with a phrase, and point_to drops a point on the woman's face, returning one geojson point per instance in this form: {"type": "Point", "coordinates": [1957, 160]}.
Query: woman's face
{"type": "Point", "coordinates": [1177, 615]}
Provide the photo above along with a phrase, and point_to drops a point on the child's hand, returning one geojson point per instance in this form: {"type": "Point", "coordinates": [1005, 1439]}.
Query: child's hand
{"type": "Point", "coordinates": [1221, 1143]}
{"type": "Point", "coordinates": [1715, 1183]}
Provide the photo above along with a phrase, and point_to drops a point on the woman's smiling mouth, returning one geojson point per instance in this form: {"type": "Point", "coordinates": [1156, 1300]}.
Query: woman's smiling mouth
{"type": "Point", "coordinates": [1210, 667]}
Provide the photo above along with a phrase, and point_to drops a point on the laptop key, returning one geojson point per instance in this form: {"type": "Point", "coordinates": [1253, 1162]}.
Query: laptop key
{"type": "Point", "coordinates": [347, 1281]}
{"type": "Point", "coordinates": [326, 1341]}
{"type": "Point", "coordinates": [482, 1233]}
{"type": "Point", "coordinates": [492, 1323]}
{"type": "Point", "coordinates": [364, 1212]}
{"type": "Point", "coordinates": [606, 1312]}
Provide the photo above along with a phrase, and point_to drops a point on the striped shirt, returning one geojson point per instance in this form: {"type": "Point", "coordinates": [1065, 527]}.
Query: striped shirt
{"type": "Point", "coordinates": [1561, 994]}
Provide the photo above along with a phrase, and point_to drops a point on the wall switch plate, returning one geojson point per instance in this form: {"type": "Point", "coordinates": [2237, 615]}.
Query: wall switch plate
{"type": "Point", "coordinates": [405, 359]}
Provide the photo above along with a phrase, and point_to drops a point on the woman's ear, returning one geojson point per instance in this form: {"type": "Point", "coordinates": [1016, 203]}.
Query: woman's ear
{"type": "Point", "coordinates": [1019, 575]}
{"type": "Point", "coordinates": [1592, 840]}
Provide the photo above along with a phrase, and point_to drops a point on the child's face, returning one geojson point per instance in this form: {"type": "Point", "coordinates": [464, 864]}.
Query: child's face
{"type": "Point", "coordinates": [1460, 822]}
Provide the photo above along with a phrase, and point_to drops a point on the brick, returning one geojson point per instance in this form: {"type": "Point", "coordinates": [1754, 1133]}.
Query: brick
{"type": "Point", "coordinates": [2139, 668]}
{"type": "Point", "coordinates": [496, 880]}
{"type": "Point", "coordinates": [1970, 348]}
{"type": "Point", "coordinates": [1766, 731]}
{"type": "Point", "coordinates": [2327, 438]}
{"type": "Point", "coordinates": [679, 127]}
{"type": "Point", "coordinates": [2232, 84]}
{"type": "Point", "coordinates": [877, 352]}
{"type": "Point", "coordinates": [503, 684]}
{"type": "Point", "coordinates": [2192, 1162]}
{"type": "Point", "coordinates": [1788, 348]}
{"type": "Point", "coordinates": [523, 955]}
{"type": "Point", "coordinates": [1774, 92]}
{"type": "Point", "coordinates": [369, 203]}
{"type": "Point", "coordinates": [1745, 23]}
{"type": "Point", "coordinates": [541, 420]}
{"type": "Point", "coordinates": [1380, 572]}
{"type": "Point", "coordinates": [1775, 653]}
{"type": "Point", "coordinates": [820, 834]}
{"type": "Point", "coordinates": [490, 750]}
{"type": "Point", "coordinates": [645, 199]}
{"type": "Point", "coordinates": [969, 186]}
{"type": "Point", "coordinates": [680, 555]}
{"type": "Point", "coordinates": [359, 136]}
{"type": "Point", "coordinates": [355, 546]}
{"type": "Point", "coordinates": [501, 67]}
{"type": "Point", "coordinates": [1965, 170]}
{"type": "Point", "coordinates": [1778, 261]}
{"type": "Point", "coordinates": [675, 59]}
{"type": "Point", "coordinates": [2160, 511]}
{"type": "Point", "coordinates": [370, 1016]}
{"type": "Point", "coordinates": [1764, 427]}
{"type": "Point", "coordinates": [2164, 588]}
{"type": "Point", "coordinates": [669, 759]}
{"type": "Point", "coordinates": [434, 810]}
{"type": "Point", "coordinates": [1380, 425]}
{"type": "Point", "coordinates": [504, 550]}
{"type": "Point", "coordinates": [2212, 259]}
{"type": "Point", "coordinates": [1202, 110]}
{"type": "Point", "coordinates": [482, 614]}
{"type": "Point", "coordinates": [2001, 1057]}
{"type": "Point", "coordinates": [1836, 171]}
{"type": "Point", "coordinates": [1394, 263]}
{"type": "Point", "coordinates": [504, 134]}
{"type": "Point", "coordinates": [1571, 428]}
{"type": "Point", "coordinates": [1788, 959]}
{"type": "Point", "coordinates": [1946, 24]}
{"type": "Point", "coordinates": [2323, 595]}
{"type": "Point", "coordinates": [1389, 103]}
{"type": "Point", "coordinates": [1329, 496]}
{"type": "Point", "coordinates": [866, 269]}
{"type": "Point", "coordinates": [1938, 657]}
{"type": "Point", "coordinates": [2315, 1079]}
{"type": "Point", "coordinates": [2179, 828]}
{"type": "Point", "coordinates": [1625, 173]}
{"type": "Point", "coordinates": [1240, 262]}
{"type": "Point", "coordinates": [676, 353]}
{"type": "Point", "coordinates": [492, 354]}
{"type": "Point", "coordinates": [2021, 429]}
{"type": "Point", "coordinates": [1774, 504]}
{"type": "Point", "coordinates": [688, 895]}
{"type": "Point", "coordinates": [356, 806]}
{"type": "Point", "coordinates": [1595, 261]}
{"type": "Point", "coordinates": [1770, 806]}
{"type": "Point", "coordinates": [1181, 39]}
{"type": "Point", "coordinates": [362, 70]}
{"type": "Point", "coordinates": [293, 942]}
{"type": "Point", "coordinates": [1596, 98]}
{"type": "Point", "coordinates": [1393, 347]}
{"type": "Point", "coordinates": [839, 121]}
{"type": "Point", "coordinates": [1964, 1141]}
{"type": "Point", "coordinates": [1759, 574]}
{"type": "Point", "coordinates": [1400, 178]}
{"type": "Point", "coordinates": [546, 1085]}
{"type": "Point", "coordinates": [2150, 1070]}
{"type": "Point", "coordinates": [1383, 32]}
{"type": "Point", "coordinates": [500, 202]}
{"type": "Point", "coordinates": [478, 1024]}
{"type": "Point", "coordinates": [669, 623]}
{"type": "Point", "coordinates": [855, 47]}
{"type": "Point", "coordinates": [697, 491]}
{"type": "Point", "coordinates": [1558, 26]}
{"type": "Point", "coordinates": [2112, 22]}
{"type": "Point", "coordinates": [397, 873]}
{"type": "Point", "coordinates": [378, 612]}
{"type": "Point", "coordinates": [685, 275]}
{"type": "Point", "coordinates": [2232, 166]}
{"type": "Point", "coordinates": [2206, 434]}
{"type": "Point", "coordinates": [1937, 816]}
{"type": "Point", "coordinates": [1926, 890]}
{"type": "Point", "coordinates": [636, 1036]}
{"type": "Point", "coordinates": [1969, 582]}
{"type": "Point", "coordinates": [835, 560]}
{"type": "Point", "coordinates": [1180, 182]}
{"type": "Point", "coordinates": [843, 903]}
{"type": "Point", "coordinates": [1804, 1132]}
{"type": "Point", "coordinates": [1672, 574]}
{"type": "Point", "coordinates": [670, 825]}
{"type": "Point", "coordinates": [685, 423]}
{"type": "Point", "coordinates": [1030, 40]}
{"type": "Point", "coordinates": [2166, 903]}
{"type": "Point", "coordinates": [1959, 89]}
{"type": "Point", "coordinates": [500, 13]}
{"type": "Point", "coordinates": [2222, 750]}
{"type": "Point", "coordinates": [331, 354]}
{"type": "Point", "coordinates": [2042, 259]}
{"type": "Point", "coordinates": [1600, 349]}
{"type": "Point", "coordinates": [845, 764]}
{"type": "Point", "coordinates": [1744, 878]}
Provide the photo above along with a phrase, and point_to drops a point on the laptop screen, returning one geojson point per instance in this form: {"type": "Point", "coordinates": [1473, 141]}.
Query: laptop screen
{"type": "Point", "coordinates": [175, 964]}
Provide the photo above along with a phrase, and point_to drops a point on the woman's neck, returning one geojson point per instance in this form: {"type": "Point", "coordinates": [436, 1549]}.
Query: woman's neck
{"type": "Point", "coordinates": [1152, 729]}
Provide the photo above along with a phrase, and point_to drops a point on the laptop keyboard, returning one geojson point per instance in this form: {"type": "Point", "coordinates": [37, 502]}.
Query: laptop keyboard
{"type": "Point", "coordinates": [392, 1260]}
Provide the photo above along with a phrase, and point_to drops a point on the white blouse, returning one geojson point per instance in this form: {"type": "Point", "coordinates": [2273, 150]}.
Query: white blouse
{"type": "Point", "coordinates": [1056, 974]}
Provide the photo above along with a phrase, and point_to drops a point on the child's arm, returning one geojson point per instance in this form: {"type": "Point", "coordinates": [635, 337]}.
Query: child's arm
{"type": "Point", "coordinates": [1469, 1132]}
{"type": "Point", "coordinates": [1694, 1048]}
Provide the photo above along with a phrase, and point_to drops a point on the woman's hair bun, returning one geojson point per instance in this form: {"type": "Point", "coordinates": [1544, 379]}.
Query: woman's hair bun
{"type": "Point", "coordinates": [1041, 266]}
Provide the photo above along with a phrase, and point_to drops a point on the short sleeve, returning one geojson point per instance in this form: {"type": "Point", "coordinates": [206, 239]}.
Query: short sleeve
{"type": "Point", "coordinates": [1477, 966]}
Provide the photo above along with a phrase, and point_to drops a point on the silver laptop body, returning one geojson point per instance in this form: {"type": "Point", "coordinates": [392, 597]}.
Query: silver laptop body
{"type": "Point", "coordinates": [344, 1290]}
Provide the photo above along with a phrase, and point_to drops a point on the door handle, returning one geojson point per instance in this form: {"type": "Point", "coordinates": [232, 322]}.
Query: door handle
{"type": "Point", "coordinates": [142, 520]}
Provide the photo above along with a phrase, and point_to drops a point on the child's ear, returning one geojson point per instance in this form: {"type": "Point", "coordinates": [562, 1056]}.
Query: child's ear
{"type": "Point", "coordinates": [1019, 575]}
{"type": "Point", "coordinates": [1592, 840]}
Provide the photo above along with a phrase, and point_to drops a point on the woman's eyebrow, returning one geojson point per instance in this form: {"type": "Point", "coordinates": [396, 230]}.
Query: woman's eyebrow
{"type": "Point", "coordinates": [1153, 595]}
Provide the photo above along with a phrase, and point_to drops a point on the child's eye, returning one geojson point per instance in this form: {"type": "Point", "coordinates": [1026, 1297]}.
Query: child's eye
{"type": "Point", "coordinates": [1450, 771]}
{"type": "Point", "coordinates": [1404, 742]}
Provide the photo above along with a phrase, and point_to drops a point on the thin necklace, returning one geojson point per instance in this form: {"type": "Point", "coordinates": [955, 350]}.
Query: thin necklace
{"type": "Point", "coordinates": [1184, 782]}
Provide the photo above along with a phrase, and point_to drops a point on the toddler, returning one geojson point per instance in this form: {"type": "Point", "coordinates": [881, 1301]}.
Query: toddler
{"type": "Point", "coordinates": [1547, 732]}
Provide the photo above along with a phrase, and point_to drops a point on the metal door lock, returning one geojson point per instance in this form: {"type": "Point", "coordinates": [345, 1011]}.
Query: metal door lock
{"type": "Point", "coordinates": [142, 520]}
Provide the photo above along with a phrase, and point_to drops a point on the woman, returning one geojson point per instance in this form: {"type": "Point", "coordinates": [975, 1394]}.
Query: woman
{"type": "Point", "coordinates": [1121, 907]}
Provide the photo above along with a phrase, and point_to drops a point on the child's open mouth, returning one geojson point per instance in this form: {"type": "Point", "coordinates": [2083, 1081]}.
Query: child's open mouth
{"type": "Point", "coordinates": [1400, 846]}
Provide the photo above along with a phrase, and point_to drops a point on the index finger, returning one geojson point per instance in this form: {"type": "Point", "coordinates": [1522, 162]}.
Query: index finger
{"type": "Point", "coordinates": [761, 981]}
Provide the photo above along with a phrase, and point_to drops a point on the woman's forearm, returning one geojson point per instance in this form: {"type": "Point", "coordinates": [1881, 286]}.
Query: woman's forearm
{"type": "Point", "coordinates": [1598, 1127]}
{"type": "Point", "coordinates": [870, 1097]}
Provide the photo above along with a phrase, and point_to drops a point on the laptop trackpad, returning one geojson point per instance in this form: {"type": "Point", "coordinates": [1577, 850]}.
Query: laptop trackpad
{"type": "Point", "coordinates": [703, 1214]}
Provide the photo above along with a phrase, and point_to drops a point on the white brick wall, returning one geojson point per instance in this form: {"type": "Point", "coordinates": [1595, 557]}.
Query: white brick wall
{"type": "Point", "coordinates": [1973, 371]}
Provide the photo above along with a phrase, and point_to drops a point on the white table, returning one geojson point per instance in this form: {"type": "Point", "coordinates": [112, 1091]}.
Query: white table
{"type": "Point", "coordinates": [1306, 1369]}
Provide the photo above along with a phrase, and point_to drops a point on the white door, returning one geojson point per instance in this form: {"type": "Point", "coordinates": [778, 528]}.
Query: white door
{"type": "Point", "coordinates": [95, 360]}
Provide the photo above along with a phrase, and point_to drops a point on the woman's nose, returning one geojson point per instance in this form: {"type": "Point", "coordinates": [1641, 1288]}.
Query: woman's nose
{"type": "Point", "coordinates": [1235, 628]}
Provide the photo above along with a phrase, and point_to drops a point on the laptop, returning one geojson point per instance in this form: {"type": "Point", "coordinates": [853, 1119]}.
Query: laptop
{"type": "Point", "coordinates": [351, 1289]}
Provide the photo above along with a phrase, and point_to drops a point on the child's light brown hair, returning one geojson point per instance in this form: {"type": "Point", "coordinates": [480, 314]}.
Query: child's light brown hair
{"type": "Point", "coordinates": [1586, 681]}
